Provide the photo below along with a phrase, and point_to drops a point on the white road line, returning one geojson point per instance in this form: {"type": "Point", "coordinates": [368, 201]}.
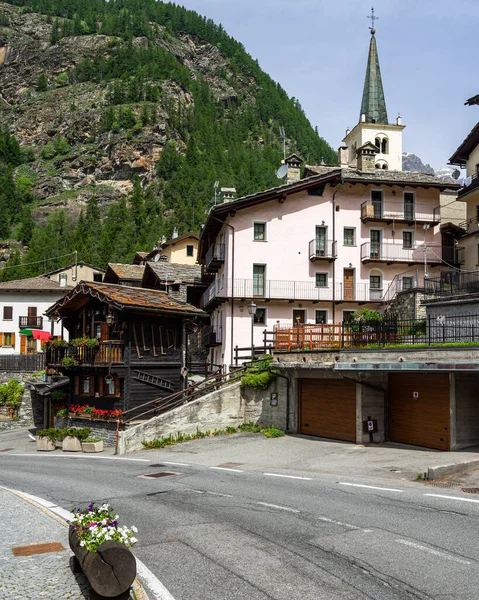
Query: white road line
{"type": "Point", "coordinates": [370, 487]}
{"type": "Point", "coordinates": [226, 469]}
{"type": "Point", "coordinates": [453, 498]}
{"type": "Point", "coordinates": [279, 507]}
{"type": "Point", "coordinates": [339, 523]}
{"type": "Point", "coordinates": [287, 476]}
{"type": "Point", "coordinates": [152, 582]}
{"type": "Point", "coordinates": [434, 552]}
{"type": "Point", "coordinates": [174, 463]}
{"type": "Point", "coordinates": [80, 456]}
{"type": "Point", "coordinates": [196, 491]}
{"type": "Point", "coordinates": [222, 495]}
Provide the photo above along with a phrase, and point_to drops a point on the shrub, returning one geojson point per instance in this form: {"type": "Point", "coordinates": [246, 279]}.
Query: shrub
{"type": "Point", "coordinates": [11, 393]}
{"type": "Point", "coordinates": [272, 432]}
{"type": "Point", "coordinates": [257, 380]}
{"type": "Point", "coordinates": [42, 83]}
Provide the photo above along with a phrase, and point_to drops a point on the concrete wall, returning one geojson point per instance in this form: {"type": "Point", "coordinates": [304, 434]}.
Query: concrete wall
{"type": "Point", "coordinates": [452, 210]}
{"type": "Point", "coordinates": [229, 406]}
{"type": "Point", "coordinates": [76, 273]}
{"type": "Point", "coordinates": [467, 410]}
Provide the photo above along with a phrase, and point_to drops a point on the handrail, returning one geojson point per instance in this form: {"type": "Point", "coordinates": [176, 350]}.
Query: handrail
{"type": "Point", "coordinates": [183, 396]}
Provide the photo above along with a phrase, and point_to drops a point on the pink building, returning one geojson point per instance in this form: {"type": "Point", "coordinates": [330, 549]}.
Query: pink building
{"type": "Point", "coordinates": [316, 249]}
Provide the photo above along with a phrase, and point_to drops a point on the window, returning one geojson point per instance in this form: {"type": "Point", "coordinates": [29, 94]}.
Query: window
{"type": "Point", "coordinates": [375, 282]}
{"type": "Point", "coordinates": [320, 317]}
{"type": "Point", "coordinates": [259, 273]}
{"type": "Point", "coordinates": [85, 386]}
{"type": "Point", "coordinates": [189, 250]}
{"type": "Point", "coordinates": [321, 241]}
{"type": "Point", "coordinates": [384, 146]}
{"type": "Point", "coordinates": [8, 313]}
{"type": "Point", "coordinates": [8, 339]}
{"type": "Point", "coordinates": [321, 280]}
{"type": "Point", "coordinates": [97, 277]}
{"type": "Point", "coordinates": [222, 280]}
{"type": "Point", "coordinates": [63, 279]}
{"type": "Point", "coordinates": [260, 232]}
{"type": "Point", "coordinates": [349, 236]}
{"type": "Point", "coordinates": [409, 212]}
{"type": "Point", "coordinates": [407, 240]}
{"type": "Point", "coordinates": [377, 202]}
{"type": "Point", "coordinates": [407, 283]}
{"type": "Point", "coordinates": [377, 143]}
{"type": "Point", "coordinates": [31, 345]}
{"type": "Point", "coordinates": [348, 315]}
{"type": "Point", "coordinates": [260, 316]}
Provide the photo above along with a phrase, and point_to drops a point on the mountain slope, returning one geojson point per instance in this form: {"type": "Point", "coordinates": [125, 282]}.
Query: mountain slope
{"type": "Point", "coordinates": [103, 94]}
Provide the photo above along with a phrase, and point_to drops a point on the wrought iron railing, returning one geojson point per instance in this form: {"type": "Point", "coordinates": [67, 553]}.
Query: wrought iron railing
{"type": "Point", "coordinates": [389, 252]}
{"type": "Point", "coordinates": [319, 249]}
{"type": "Point", "coordinates": [215, 255]}
{"type": "Point", "coordinates": [30, 322]}
{"type": "Point", "coordinates": [452, 283]}
{"type": "Point", "coordinates": [397, 211]}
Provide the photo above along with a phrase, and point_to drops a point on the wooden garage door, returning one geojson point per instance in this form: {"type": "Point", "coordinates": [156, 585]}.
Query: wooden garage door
{"type": "Point", "coordinates": [419, 409]}
{"type": "Point", "coordinates": [328, 408]}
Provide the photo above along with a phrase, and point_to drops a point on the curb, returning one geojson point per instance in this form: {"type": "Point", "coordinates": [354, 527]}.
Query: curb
{"type": "Point", "coordinates": [442, 471]}
{"type": "Point", "coordinates": [62, 516]}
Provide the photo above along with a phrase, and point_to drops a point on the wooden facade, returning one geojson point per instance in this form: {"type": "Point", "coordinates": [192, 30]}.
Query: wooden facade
{"type": "Point", "coordinates": [135, 348]}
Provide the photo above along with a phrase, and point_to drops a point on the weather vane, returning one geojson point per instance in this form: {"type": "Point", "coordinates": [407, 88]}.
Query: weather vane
{"type": "Point", "coordinates": [373, 18]}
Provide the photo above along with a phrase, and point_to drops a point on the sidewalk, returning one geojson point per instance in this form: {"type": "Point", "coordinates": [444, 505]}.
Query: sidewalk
{"type": "Point", "coordinates": [47, 575]}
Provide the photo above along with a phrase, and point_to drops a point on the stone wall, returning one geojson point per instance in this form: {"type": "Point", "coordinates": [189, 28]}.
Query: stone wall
{"type": "Point", "coordinates": [104, 430]}
{"type": "Point", "coordinates": [25, 414]}
{"type": "Point", "coordinates": [408, 305]}
{"type": "Point", "coordinates": [229, 406]}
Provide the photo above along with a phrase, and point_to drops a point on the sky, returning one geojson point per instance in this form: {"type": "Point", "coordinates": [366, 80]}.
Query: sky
{"type": "Point", "coordinates": [317, 50]}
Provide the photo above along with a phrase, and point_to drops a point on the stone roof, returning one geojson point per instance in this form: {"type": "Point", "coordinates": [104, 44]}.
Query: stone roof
{"type": "Point", "coordinates": [132, 272]}
{"type": "Point", "coordinates": [33, 284]}
{"type": "Point", "coordinates": [123, 297]}
{"type": "Point", "coordinates": [175, 273]}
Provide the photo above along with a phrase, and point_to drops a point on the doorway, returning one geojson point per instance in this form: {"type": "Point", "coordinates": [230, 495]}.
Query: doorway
{"type": "Point", "coordinates": [348, 284]}
{"type": "Point", "coordinates": [375, 238]}
{"type": "Point", "coordinates": [299, 317]}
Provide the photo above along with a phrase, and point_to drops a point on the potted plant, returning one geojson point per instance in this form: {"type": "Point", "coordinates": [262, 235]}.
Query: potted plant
{"type": "Point", "coordinates": [92, 445]}
{"type": "Point", "coordinates": [45, 440]}
{"type": "Point", "coordinates": [68, 362]}
{"type": "Point", "coordinates": [102, 549]}
{"type": "Point", "coordinates": [72, 442]}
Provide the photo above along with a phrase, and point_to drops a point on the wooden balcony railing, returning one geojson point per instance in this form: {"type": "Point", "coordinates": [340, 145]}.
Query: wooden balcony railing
{"type": "Point", "coordinates": [109, 352]}
{"type": "Point", "coordinates": [215, 257]}
{"type": "Point", "coordinates": [30, 322]}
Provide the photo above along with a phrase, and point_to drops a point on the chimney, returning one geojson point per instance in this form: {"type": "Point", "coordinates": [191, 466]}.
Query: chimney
{"type": "Point", "coordinates": [229, 194]}
{"type": "Point", "coordinates": [399, 120]}
{"type": "Point", "coordinates": [363, 117]}
{"type": "Point", "coordinates": [293, 163]}
{"type": "Point", "coordinates": [367, 158]}
{"type": "Point", "coordinates": [162, 241]}
{"type": "Point", "coordinates": [343, 156]}
{"type": "Point", "coordinates": [174, 234]}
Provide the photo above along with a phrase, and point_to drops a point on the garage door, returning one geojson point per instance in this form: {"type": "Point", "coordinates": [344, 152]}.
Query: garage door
{"type": "Point", "coordinates": [419, 410]}
{"type": "Point", "coordinates": [328, 408]}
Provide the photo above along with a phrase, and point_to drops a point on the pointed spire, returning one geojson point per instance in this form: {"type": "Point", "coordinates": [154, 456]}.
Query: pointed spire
{"type": "Point", "coordinates": [373, 105]}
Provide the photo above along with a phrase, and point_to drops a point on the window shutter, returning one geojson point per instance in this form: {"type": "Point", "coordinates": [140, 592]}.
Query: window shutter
{"type": "Point", "coordinates": [100, 387]}
{"type": "Point", "coordinates": [1, 339]}
{"type": "Point", "coordinates": [23, 344]}
{"type": "Point", "coordinates": [77, 385]}
{"type": "Point", "coordinates": [13, 340]}
{"type": "Point", "coordinates": [117, 387]}
{"type": "Point", "coordinates": [92, 385]}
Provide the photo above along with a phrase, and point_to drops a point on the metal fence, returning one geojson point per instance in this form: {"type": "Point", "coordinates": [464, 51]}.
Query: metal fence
{"type": "Point", "coordinates": [452, 282]}
{"type": "Point", "coordinates": [22, 363]}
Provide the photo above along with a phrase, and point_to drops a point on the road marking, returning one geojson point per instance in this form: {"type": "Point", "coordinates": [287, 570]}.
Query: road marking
{"type": "Point", "coordinates": [226, 469]}
{"type": "Point", "coordinates": [453, 498]}
{"type": "Point", "coordinates": [153, 583]}
{"type": "Point", "coordinates": [196, 491]}
{"type": "Point", "coordinates": [81, 456]}
{"type": "Point", "coordinates": [339, 523]}
{"type": "Point", "coordinates": [218, 494]}
{"type": "Point", "coordinates": [287, 476]}
{"type": "Point", "coordinates": [370, 487]}
{"type": "Point", "coordinates": [294, 510]}
{"type": "Point", "coordinates": [174, 463]}
{"type": "Point", "coordinates": [435, 552]}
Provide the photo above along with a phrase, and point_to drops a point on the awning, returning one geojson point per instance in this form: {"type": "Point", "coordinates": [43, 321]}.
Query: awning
{"type": "Point", "coordinates": [37, 334]}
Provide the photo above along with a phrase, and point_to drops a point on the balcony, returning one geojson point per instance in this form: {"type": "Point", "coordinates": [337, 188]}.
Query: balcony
{"type": "Point", "coordinates": [215, 257]}
{"type": "Point", "coordinates": [395, 253]}
{"type": "Point", "coordinates": [110, 352]}
{"type": "Point", "coordinates": [471, 185]}
{"type": "Point", "coordinates": [212, 338]}
{"type": "Point", "coordinates": [30, 322]}
{"type": "Point", "coordinates": [291, 291]}
{"type": "Point", "coordinates": [320, 249]}
{"type": "Point", "coordinates": [388, 212]}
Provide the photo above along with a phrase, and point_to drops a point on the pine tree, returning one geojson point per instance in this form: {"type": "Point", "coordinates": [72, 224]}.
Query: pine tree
{"type": "Point", "coordinates": [42, 83]}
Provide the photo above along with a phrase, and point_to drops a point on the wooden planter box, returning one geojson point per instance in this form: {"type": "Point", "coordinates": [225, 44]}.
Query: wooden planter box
{"type": "Point", "coordinates": [92, 446]}
{"type": "Point", "coordinates": [71, 444]}
{"type": "Point", "coordinates": [110, 570]}
{"type": "Point", "coordinates": [44, 444]}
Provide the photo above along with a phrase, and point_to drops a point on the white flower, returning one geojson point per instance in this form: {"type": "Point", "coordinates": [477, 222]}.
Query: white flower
{"type": "Point", "coordinates": [133, 540]}
{"type": "Point", "coordinates": [82, 543]}
{"type": "Point", "coordinates": [134, 529]}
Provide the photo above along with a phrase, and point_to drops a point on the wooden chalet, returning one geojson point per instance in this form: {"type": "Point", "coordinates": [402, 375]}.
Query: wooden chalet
{"type": "Point", "coordinates": [127, 345]}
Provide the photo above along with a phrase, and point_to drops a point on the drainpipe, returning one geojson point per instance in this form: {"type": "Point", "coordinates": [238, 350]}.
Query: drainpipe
{"type": "Point", "coordinates": [287, 397]}
{"type": "Point", "coordinates": [232, 285]}
{"type": "Point", "coordinates": [334, 239]}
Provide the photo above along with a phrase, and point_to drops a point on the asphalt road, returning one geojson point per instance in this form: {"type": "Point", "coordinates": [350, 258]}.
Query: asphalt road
{"type": "Point", "coordinates": [230, 533]}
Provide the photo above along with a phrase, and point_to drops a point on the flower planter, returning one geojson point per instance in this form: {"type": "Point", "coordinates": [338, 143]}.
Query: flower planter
{"type": "Point", "coordinates": [45, 444]}
{"type": "Point", "coordinates": [110, 570]}
{"type": "Point", "coordinates": [71, 444]}
{"type": "Point", "coordinates": [92, 446]}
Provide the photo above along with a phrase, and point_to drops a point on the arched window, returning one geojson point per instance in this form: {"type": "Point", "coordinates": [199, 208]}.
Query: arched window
{"type": "Point", "coordinates": [377, 143]}
{"type": "Point", "coordinates": [385, 167]}
{"type": "Point", "coordinates": [378, 166]}
{"type": "Point", "coordinates": [384, 146]}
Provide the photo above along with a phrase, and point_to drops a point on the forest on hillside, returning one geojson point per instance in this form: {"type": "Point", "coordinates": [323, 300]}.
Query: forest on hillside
{"type": "Point", "coordinates": [236, 141]}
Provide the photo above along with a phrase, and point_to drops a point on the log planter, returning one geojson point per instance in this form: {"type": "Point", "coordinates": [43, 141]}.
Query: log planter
{"type": "Point", "coordinates": [110, 570]}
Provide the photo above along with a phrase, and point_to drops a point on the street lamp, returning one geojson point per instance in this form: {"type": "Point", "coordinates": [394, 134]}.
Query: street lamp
{"type": "Point", "coordinates": [252, 311]}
